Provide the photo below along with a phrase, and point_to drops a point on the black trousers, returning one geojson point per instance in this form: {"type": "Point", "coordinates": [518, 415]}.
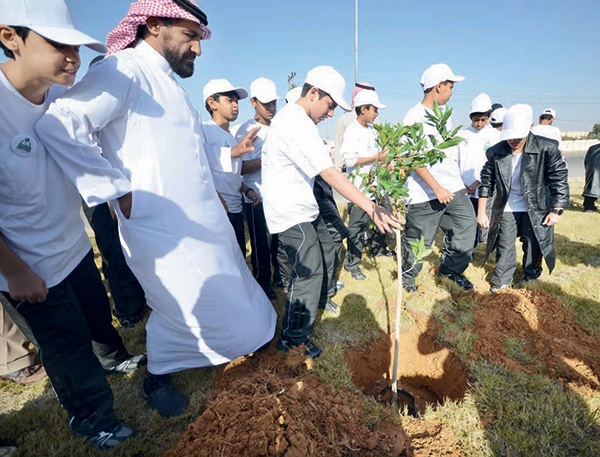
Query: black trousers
{"type": "Point", "coordinates": [358, 223]}
{"type": "Point", "coordinates": [513, 225]}
{"type": "Point", "coordinates": [456, 219]}
{"type": "Point", "coordinates": [305, 248]}
{"type": "Point", "coordinates": [260, 244]}
{"type": "Point", "coordinates": [237, 222]}
{"type": "Point", "coordinates": [76, 340]}
{"type": "Point", "coordinates": [127, 293]}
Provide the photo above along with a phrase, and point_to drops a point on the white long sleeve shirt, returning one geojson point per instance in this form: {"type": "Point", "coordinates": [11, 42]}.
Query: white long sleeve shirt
{"type": "Point", "coordinates": [471, 152]}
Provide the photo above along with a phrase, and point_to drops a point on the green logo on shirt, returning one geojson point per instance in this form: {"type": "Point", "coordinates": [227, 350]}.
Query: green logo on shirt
{"type": "Point", "coordinates": [25, 145]}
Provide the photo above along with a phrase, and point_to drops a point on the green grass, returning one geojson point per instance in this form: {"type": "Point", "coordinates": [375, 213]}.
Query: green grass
{"type": "Point", "coordinates": [504, 413]}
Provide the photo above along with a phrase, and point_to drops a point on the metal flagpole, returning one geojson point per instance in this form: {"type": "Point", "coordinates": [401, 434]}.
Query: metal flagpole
{"type": "Point", "coordinates": [356, 41]}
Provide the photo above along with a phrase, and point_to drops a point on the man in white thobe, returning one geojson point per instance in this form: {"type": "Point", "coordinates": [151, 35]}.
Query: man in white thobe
{"type": "Point", "coordinates": [149, 160]}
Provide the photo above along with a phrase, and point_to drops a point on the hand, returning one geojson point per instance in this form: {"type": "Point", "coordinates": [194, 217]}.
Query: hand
{"type": "Point", "coordinates": [125, 204]}
{"type": "Point", "coordinates": [382, 156]}
{"type": "Point", "coordinates": [483, 221]}
{"type": "Point", "coordinates": [383, 219]}
{"type": "Point", "coordinates": [27, 287]}
{"type": "Point", "coordinates": [246, 144]}
{"type": "Point", "coordinates": [551, 219]}
{"type": "Point", "coordinates": [444, 196]}
{"type": "Point", "coordinates": [252, 195]}
{"type": "Point", "coordinates": [473, 188]}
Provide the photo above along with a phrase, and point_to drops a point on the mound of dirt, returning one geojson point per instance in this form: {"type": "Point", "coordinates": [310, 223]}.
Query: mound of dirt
{"type": "Point", "coordinates": [530, 331]}
{"type": "Point", "coordinates": [271, 404]}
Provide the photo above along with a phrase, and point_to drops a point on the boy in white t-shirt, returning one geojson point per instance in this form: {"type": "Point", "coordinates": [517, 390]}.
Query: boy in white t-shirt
{"type": "Point", "coordinates": [47, 269]}
{"type": "Point", "coordinates": [292, 156]}
{"type": "Point", "coordinates": [479, 136]}
{"type": "Point", "coordinates": [224, 155]}
{"type": "Point", "coordinates": [545, 127]}
{"type": "Point", "coordinates": [359, 152]}
{"type": "Point", "coordinates": [437, 196]}
{"type": "Point", "coordinates": [263, 97]}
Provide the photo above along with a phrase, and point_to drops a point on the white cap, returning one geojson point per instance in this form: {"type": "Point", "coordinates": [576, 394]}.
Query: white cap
{"type": "Point", "coordinates": [517, 122]}
{"type": "Point", "coordinates": [293, 95]}
{"type": "Point", "coordinates": [220, 86]}
{"type": "Point", "coordinates": [481, 104]}
{"type": "Point", "coordinates": [264, 90]}
{"type": "Point", "coordinates": [550, 111]}
{"type": "Point", "coordinates": [48, 18]}
{"type": "Point", "coordinates": [497, 116]}
{"type": "Point", "coordinates": [329, 80]}
{"type": "Point", "coordinates": [438, 73]}
{"type": "Point", "coordinates": [368, 97]}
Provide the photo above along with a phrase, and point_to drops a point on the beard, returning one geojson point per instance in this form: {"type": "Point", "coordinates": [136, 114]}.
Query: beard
{"type": "Point", "coordinates": [182, 64]}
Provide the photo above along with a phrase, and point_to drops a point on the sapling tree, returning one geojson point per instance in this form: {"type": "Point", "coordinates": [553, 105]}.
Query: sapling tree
{"type": "Point", "coordinates": [407, 148]}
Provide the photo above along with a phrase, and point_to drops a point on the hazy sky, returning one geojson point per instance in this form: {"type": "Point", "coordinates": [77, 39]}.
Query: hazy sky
{"type": "Point", "coordinates": [545, 53]}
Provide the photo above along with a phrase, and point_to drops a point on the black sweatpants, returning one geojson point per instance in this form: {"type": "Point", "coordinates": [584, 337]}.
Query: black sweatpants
{"type": "Point", "coordinates": [77, 311]}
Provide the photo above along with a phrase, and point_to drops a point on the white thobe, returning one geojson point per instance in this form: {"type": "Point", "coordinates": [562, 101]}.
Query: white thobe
{"type": "Point", "coordinates": [207, 308]}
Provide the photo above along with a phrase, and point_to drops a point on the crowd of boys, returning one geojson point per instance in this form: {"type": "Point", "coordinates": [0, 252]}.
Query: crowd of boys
{"type": "Point", "coordinates": [177, 193]}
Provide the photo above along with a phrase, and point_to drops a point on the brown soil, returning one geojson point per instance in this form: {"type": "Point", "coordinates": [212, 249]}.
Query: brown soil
{"type": "Point", "coordinates": [553, 344]}
{"type": "Point", "coordinates": [272, 404]}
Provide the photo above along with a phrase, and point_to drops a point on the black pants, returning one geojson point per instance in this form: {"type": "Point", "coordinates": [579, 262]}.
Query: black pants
{"type": "Point", "coordinates": [358, 223]}
{"type": "Point", "coordinates": [76, 312]}
{"type": "Point", "coordinates": [513, 225]}
{"type": "Point", "coordinates": [456, 219]}
{"type": "Point", "coordinates": [260, 244]}
{"type": "Point", "coordinates": [481, 234]}
{"type": "Point", "coordinates": [237, 222]}
{"type": "Point", "coordinates": [305, 248]}
{"type": "Point", "coordinates": [128, 296]}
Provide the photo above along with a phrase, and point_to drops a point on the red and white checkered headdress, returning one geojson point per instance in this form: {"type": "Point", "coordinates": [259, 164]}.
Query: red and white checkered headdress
{"type": "Point", "coordinates": [123, 35]}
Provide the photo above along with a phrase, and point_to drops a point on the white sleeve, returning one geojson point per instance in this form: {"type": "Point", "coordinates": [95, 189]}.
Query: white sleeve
{"type": "Point", "coordinates": [68, 131]}
{"type": "Point", "coordinates": [350, 147]}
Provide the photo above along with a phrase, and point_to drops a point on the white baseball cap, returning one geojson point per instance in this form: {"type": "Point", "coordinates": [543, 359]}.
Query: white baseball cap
{"type": "Point", "coordinates": [293, 94]}
{"type": "Point", "coordinates": [264, 90]}
{"type": "Point", "coordinates": [220, 86]}
{"type": "Point", "coordinates": [550, 111]}
{"type": "Point", "coordinates": [329, 80]}
{"type": "Point", "coordinates": [481, 104]}
{"type": "Point", "coordinates": [368, 97]}
{"type": "Point", "coordinates": [517, 122]}
{"type": "Point", "coordinates": [436, 74]}
{"type": "Point", "coordinates": [497, 116]}
{"type": "Point", "coordinates": [49, 18]}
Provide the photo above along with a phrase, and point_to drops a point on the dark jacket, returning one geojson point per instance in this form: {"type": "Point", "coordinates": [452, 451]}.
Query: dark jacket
{"type": "Point", "coordinates": [544, 181]}
{"type": "Point", "coordinates": [592, 172]}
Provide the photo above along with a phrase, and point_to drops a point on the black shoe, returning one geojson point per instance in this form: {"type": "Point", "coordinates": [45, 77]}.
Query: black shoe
{"type": "Point", "coordinates": [111, 438]}
{"type": "Point", "coordinates": [409, 287]}
{"type": "Point", "coordinates": [459, 279]}
{"type": "Point", "coordinates": [162, 395]}
{"type": "Point", "coordinates": [312, 350]}
{"type": "Point", "coordinates": [128, 365]}
{"type": "Point", "coordinates": [270, 293]}
{"type": "Point", "coordinates": [130, 321]}
{"type": "Point", "coordinates": [339, 285]}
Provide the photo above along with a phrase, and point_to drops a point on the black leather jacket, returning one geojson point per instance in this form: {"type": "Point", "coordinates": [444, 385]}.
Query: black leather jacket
{"type": "Point", "coordinates": [592, 172]}
{"type": "Point", "coordinates": [544, 181]}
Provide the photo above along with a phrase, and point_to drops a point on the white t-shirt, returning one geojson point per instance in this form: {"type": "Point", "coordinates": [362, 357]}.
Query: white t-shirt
{"type": "Point", "coordinates": [226, 171]}
{"type": "Point", "coordinates": [446, 172]}
{"type": "Point", "coordinates": [359, 142]}
{"type": "Point", "coordinates": [293, 155]}
{"type": "Point", "coordinates": [254, 179]}
{"type": "Point", "coordinates": [471, 152]}
{"type": "Point", "coordinates": [548, 131]}
{"type": "Point", "coordinates": [516, 202]}
{"type": "Point", "coordinates": [39, 206]}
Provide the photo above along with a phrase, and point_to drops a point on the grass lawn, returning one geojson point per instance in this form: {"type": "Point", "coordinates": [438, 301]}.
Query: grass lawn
{"type": "Point", "coordinates": [513, 374]}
